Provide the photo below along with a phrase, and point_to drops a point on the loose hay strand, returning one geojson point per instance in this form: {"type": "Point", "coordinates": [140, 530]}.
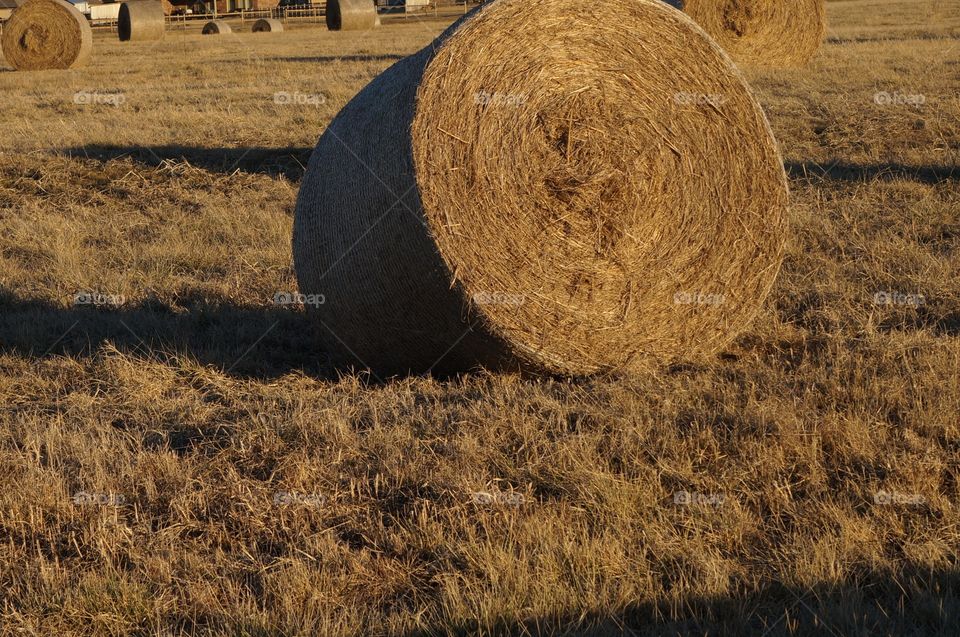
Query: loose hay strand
{"type": "Point", "coordinates": [46, 34]}
{"type": "Point", "coordinates": [551, 202]}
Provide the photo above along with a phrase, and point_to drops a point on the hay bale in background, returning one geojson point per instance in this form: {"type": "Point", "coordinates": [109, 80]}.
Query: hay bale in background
{"type": "Point", "coordinates": [770, 33]}
{"type": "Point", "coordinates": [141, 21]}
{"type": "Point", "coordinates": [351, 15]}
{"type": "Point", "coordinates": [215, 27]}
{"type": "Point", "coordinates": [46, 34]}
{"type": "Point", "coordinates": [572, 199]}
{"type": "Point", "coordinates": [267, 25]}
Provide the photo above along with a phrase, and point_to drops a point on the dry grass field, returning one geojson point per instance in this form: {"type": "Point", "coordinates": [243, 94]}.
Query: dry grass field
{"type": "Point", "coordinates": [177, 458]}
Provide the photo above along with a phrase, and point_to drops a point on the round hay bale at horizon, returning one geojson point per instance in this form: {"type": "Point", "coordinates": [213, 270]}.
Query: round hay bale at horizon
{"type": "Point", "coordinates": [351, 15]}
{"type": "Point", "coordinates": [216, 27]}
{"type": "Point", "coordinates": [770, 33]}
{"type": "Point", "coordinates": [267, 25]}
{"type": "Point", "coordinates": [574, 199]}
{"type": "Point", "coordinates": [46, 34]}
{"type": "Point", "coordinates": [141, 21]}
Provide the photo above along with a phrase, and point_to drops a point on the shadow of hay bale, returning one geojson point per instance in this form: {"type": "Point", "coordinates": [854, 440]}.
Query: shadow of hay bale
{"type": "Point", "coordinates": [917, 601]}
{"type": "Point", "coordinates": [244, 341]}
{"type": "Point", "coordinates": [844, 171]}
{"type": "Point", "coordinates": [289, 162]}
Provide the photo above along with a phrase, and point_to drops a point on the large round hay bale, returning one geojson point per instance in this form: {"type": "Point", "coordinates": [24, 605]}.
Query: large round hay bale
{"type": "Point", "coordinates": [596, 192]}
{"type": "Point", "coordinates": [771, 33]}
{"type": "Point", "coordinates": [46, 34]}
{"type": "Point", "coordinates": [141, 21]}
{"type": "Point", "coordinates": [216, 27]}
{"type": "Point", "coordinates": [351, 15]}
{"type": "Point", "coordinates": [267, 25]}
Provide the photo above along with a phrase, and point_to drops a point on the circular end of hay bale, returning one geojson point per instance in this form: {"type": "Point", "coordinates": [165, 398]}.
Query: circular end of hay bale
{"type": "Point", "coordinates": [46, 34]}
{"type": "Point", "coordinates": [267, 25]}
{"type": "Point", "coordinates": [570, 200]}
{"type": "Point", "coordinates": [216, 27]}
{"type": "Point", "coordinates": [351, 15]}
{"type": "Point", "coordinates": [768, 33]}
{"type": "Point", "coordinates": [141, 21]}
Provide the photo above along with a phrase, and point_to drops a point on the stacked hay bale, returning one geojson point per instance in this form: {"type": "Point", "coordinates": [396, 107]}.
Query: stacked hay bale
{"type": "Point", "coordinates": [267, 25]}
{"type": "Point", "coordinates": [553, 202]}
{"type": "Point", "coordinates": [216, 27]}
{"type": "Point", "coordinates": [771, 33]}
{"type": "Point", "coordinates": [46, 34]}
{"type": "Point", "coordinates": [351, 15]}
{"type": "Point", "coordinates": [141, 21]}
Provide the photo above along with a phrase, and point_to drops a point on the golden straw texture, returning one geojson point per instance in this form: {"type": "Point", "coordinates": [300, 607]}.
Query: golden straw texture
{"type": "Point", "coordinates": [770, 33]}
{"type": "Point", "coordinates": [351, 15]}
{"type": "Point", "coordinates": [141, 20]}
{"type": "Point", "coordinates": [46, 34]}
{"type": "Point", "coordinates": [267, 25]}
{"type": "Point", "coordinates": [215, 27]}
{"type": "Point", "coordinates": [598, 191]}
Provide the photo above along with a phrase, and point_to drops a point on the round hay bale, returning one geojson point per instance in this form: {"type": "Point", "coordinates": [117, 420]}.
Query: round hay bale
{"type": "Point", "coordinates": [770, 33]}
{"type": "Point", "coordinates": [141, 21]}
{"type": "Point", "coordinates": [46, 34]}
{"type": "Point", "coordinates": [216, 27]}
{"type": "Point", "coordinates": [267, 25]}
{"type": "Point", "coordinates": [351, 15]}
{"type": "Point", "coordinates": [600, 191]}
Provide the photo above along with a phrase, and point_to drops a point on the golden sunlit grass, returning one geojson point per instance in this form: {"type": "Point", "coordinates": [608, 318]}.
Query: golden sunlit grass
{"type": "Point", "coordinates": [182, 459]}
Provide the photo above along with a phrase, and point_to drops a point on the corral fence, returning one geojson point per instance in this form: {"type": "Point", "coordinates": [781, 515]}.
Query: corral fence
{"type": "Point", "coordinates": [308, 12]}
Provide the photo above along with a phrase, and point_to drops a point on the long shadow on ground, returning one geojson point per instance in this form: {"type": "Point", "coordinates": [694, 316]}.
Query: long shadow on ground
{"type": "Point", "coordinates": [843, 171]}
{"type": "Point", "coordinates": [870, 603]}
{"type": "Point", "coordinates": [383, 57]}
{"type": "Point", "coordinates": [256, 342]}
{"type": "Point", "coordinates": [290, 162]}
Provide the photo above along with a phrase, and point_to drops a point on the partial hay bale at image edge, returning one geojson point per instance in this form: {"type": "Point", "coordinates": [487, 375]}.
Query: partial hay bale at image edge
{"type": "Point", "coordinates": [351, 15]}
{"type": "Point", "coordinates": [216, 27]}
{"type": "Point", "coordinates": [764, 33]}
{"type": "Point", "coordinates": [534, 210]}
{"type": "Point", "coordinates": [267, 25]}
{"type": "Point", "coordinates": [141, 21]}
{"type": "Point", "coordinates": [46, 34]}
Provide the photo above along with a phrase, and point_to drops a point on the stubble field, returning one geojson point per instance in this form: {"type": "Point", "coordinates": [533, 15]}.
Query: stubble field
{"type": "Point", "coordinates": [176, 456]}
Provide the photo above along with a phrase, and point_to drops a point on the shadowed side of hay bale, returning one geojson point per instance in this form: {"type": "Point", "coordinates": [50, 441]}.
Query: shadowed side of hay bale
{"type": "Point", "coordinates": [397, 284]}
{"type": "Point", "coordinates": [351, 15]}
{"type": "Point", "coordinates": [769, 33]}
{"type": "Point", "coordinates": [216, 27]}
{"type": "Point", "coordinates": [46, 34]}
{"type": "Point", "coordinates": [141, 21]}
{"type": "Point", "coordinates": [267, 25]}
{"type": "Point", "coordinates": [568, 200]}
